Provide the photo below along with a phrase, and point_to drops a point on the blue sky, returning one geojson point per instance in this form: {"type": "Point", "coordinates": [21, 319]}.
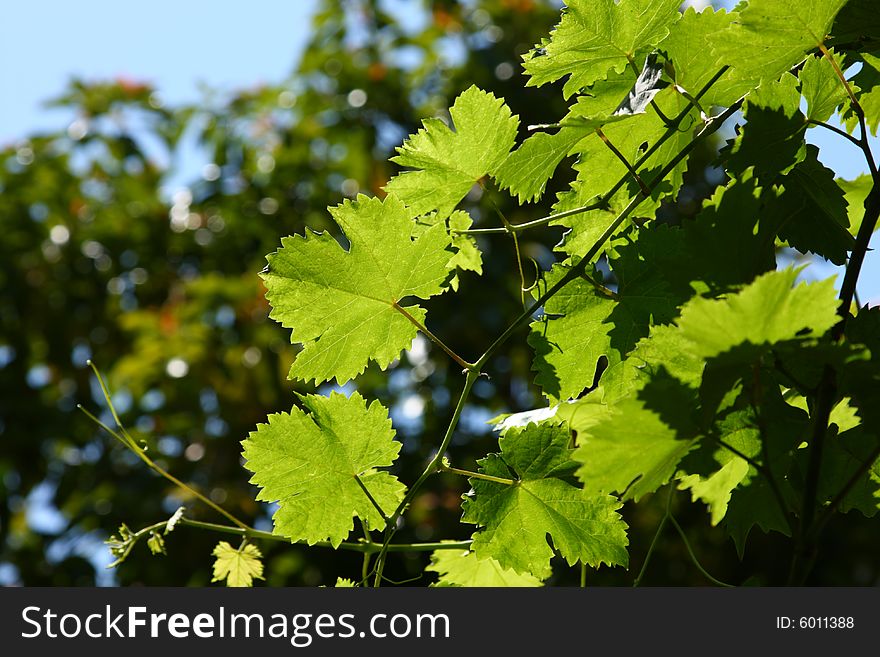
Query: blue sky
{"type": "Point", "coordinates": [222, 44]}
{"type": "Point", "coordinates": [173, 44]}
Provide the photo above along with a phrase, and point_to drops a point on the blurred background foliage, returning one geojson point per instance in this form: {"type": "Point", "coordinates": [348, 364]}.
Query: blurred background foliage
{"type": "Point", "coordinates": [98, 260]}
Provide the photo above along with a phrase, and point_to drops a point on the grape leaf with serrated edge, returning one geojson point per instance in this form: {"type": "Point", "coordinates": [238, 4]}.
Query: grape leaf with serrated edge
{"type": "Point", "coordinates": [597, 37]}
{"type": "Point", "coordinates": [769, 310]}
{"type": "Point", "coordinates": [463, 568]}
{"type": "Point", "coordinates": [516, 519]}
{"type": "Point", "coordinates": [310, 464]}
{"type": "Point", "coordinates": [768, 37]}
{"type": "Point", "coordinates": [811, 210]}
{"type": "Point", "coordinates": [239, 568]}
{"type": "Point", "coordinates": [821, 87]}
{"type": "Point", "coordinates": [693, 61]}
{"type": "Point", "coordinates": [447, 163]}
{"type": "Point", "coordinates": [341, 304]}
{"type": "Point", "coordinates": [856, 192]}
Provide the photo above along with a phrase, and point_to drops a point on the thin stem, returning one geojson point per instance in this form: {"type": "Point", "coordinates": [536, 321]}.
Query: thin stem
{"type": "Point", "coordinates": [365, 564]}
{"type": "Point", "coordinates": [371, 498]}
{"type": "Point", "coordinates": [247, 532]}
{"type": "Point", "coordinates": [660, 526]}
{"type": "Point", "coordinates": [477, 475]}
{"type": "Point", "coordinates": [857, 108]}
{"type": "Point", "coordinates": [161, 471]}
{"type": "Point", "coordinates": [666, 120]}
{"type": "Point", "coordinates": [508, 228]}
{"type": "Point", "coordinates": [620, 156]}
{"type": "Point", "coordinates": [454, 356]}
{"type": "Point", "coordinates": [691, 99]}
{"type": "Point", "coordinates": [369, 548]}
{"type": "Point", "coordinates": [583, 575]}
{"type": "Point", "coordinates": [671, 518]}
{"type": "Point", "coordinates": [693, 556]}
{"type": "Point", "coordinates": [543, 221]}
{"type": "Point", "coordinates": [836, 130]}
{"type": "Point", "coordinates": [432, 467]}
{"type": "Point", "coordinates": [602, 289]}
{"type": "Point", "coordinates": [522, 276]}
{"type": "Point", "coordinates": [107, 397]}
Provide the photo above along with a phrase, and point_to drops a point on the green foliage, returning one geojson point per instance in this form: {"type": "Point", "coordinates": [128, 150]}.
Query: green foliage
{"type": "Point", "coordinates": [237, 567]}
{"type": "Point", "coordinates": [518, 516]}
{"type": "Point", "coordinates": [768, 37]}
{"type": "Point", "coordinates": [867, 83]}
{"type": "Point", "coordinates": [671, 348]}
{"type": "Point", "coordinates": [856, 193]}
{"type": "Point", "coordinates": [341, 304]}
{"type": "Point", "coordinates": [449, 163]}
{"type": "Point", "coordinates": [464, 568]}
{"type": "Point", "coordinates": [631, 452]}
{"type": "Point", "coordinates": [318, 465]}
{"type": "Point", "coordinates": [821, 88]}
{"type": "Point", "coordinates": [595, 38]}
{"type": "Point", "coordinates": [768, 311]}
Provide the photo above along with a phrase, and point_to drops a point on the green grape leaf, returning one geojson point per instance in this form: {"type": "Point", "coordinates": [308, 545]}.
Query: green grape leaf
{"type": "Point", "coordinates": [856, 193]}
{"type": "Point", "coordinates": [772, 140]}
{"type": "Point", "coordinates": [599, 170]}
{"type": "Point", "coordinates": [752, 505]}
{"type": "Point", "coordinates": [857, 25]}
{"type": "Point", "coordinates": [341, 304]}
{"type": "Point", "coordinates": [238, 567]}
{"type": "Point", "coordinates": [768, 37]}
{"type": "Point", "coordinates": [695, 63]}
{"type": "Point", "coordinates": [467, 255]}
{"type": "Point", "coordinates": [448, 163]}
{"type": "Point", "coordinates": [343, 583]}
{"type": "Point", "coordinates": [463, 568]}
{"type": "Point", "coordinates": [812, 211]}
{"type": "Point", "coordinates": [631, 451]}
{"type": "Point", "coordinates": [517, 519]}
{"type": "Point", "coordinates": [582, 323]}
{"type": "Point", "coordinates": [571, 337]}
{"type": "Point", "coordinates": [596, 37]}
{"type": "Point", "coordinates": [821, 87]}
{"type": "Point", "coordinates": [867, 82]}
{"type": "Point", "coordinates": [767, 311]}
{"type": "Point", "coordinates": [864, 328]}
{"type": "Point", "coordinates": [729, 242]}
{"type": "Point", "coordinates": [843, 456]}
{"type": "Point", "coordinates": [311, 464]}
{"type": "Point", "coordinates": [664, 350]}
{"type": "Point", "coordinates": [156, 543]}
{"type": "Point", "coordinates": [526, 170]}
{"type": "Point", "coordinates": [738, 430]}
